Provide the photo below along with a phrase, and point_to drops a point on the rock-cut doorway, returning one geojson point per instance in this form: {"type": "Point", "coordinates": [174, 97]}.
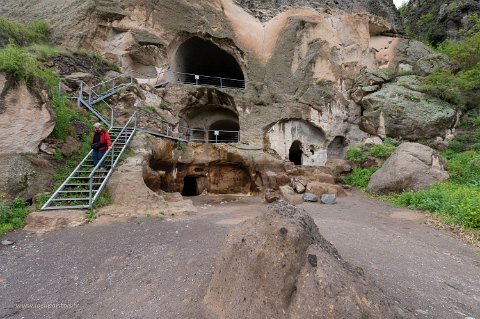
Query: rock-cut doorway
{"type": "Point", "coordinates": [295, 153]}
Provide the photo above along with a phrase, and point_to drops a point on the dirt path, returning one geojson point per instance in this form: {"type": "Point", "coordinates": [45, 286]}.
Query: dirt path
{"type": "Point", "coordinates": [153, 268]}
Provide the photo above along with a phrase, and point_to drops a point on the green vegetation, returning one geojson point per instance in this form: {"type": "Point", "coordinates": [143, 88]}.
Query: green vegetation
{"type": "Point", "coordinates": [359, 155]}
{"type": "Point", "coordinates": [18, 62]}
{"type": "Point", "coordinates": [460, 87]}
{"type": "Point", "coordinates": [360, 177]}
{"type": "Point", "coordinates": [456, 201]}
{"type": "Point", "coordinates": [12, 215]}
{"type": "Point", "coordinates": [164, 106]}
{"type": "Point", "coordinates": [180, 145]}
{"type": "Point", "coordinates": [33, 32]}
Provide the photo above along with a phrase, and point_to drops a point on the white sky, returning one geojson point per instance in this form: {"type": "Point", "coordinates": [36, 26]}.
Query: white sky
{"type": "Point", "coordinates": [398, 3]}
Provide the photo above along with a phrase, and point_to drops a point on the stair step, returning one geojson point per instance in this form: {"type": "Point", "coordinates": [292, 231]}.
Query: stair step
{"type": "Point", "coordinates": [72, 199]}
{"type": "Point", "coordinates": [79, 191]}
{"type": "Point", "coordinates": [82, 184]}
{"type": "Point", "coordinates": [66, 207]}
{"type": "Point", "coordinates": [100, 177]}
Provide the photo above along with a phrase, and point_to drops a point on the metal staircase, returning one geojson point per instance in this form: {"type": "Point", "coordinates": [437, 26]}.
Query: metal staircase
{"type": "Point", "coordinates": [85, 184]}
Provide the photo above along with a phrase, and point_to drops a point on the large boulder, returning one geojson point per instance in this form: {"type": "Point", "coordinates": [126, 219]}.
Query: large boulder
{"type": "Point", "coordinates": [24, 176]}
{"type": "Point", "coordinates": [25, 118]}
{"type": "Point", "coordinates": [412, 167]}
{"type": "Point", "coordinates": [400, 110]}
{"type": "Point", "coordinates": [279, 266]}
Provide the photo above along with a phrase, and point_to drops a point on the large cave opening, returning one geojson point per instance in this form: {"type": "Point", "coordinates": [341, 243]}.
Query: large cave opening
{"type": "Point", "coordinates": [203, 58]}
{"type": "Point", "coordinates": [295, 154]}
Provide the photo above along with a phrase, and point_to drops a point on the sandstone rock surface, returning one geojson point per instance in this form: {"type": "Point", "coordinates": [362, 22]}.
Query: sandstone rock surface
{"type": "Point", "coordinates": [25, 120]}
{"type": "Point", "coordinates": [131, 196]}
{"type": "Point", "coordinates": [412, 167]}
{"type": "Point", "coordinates": [42, 222]}
{"type": "Point", "coordinates": [279, 266]}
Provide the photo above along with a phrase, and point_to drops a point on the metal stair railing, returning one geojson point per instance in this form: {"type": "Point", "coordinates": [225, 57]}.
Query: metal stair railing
{"type": "Point", "coordinates": [76, 192]}
{"type": "Point", "coordinates": [105, 89]}
{"type": "Point", "coordinates": [114, 158]}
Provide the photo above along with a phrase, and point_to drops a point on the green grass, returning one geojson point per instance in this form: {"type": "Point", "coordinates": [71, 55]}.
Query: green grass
{"type": "Point", "coordinates": [453, 203]}
{"type": "Point", "coordinates": [12, 215]}
{"type": "Point", "coordinates": [456, 201]}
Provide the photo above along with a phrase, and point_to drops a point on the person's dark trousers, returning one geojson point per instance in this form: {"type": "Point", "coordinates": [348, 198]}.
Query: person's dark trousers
{"type": "Point", "coordinates": [97, 156]}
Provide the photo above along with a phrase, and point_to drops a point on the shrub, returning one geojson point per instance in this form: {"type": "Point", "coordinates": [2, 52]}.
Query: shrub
{"type": "Point", "coordinates": [357, 155]}
{"type": "Point", "coordinates": [382, 151]}
{"type": "Point", "coordinates": [360, 177]}
{"type": "Point", "coordinates": [18, 62]}
{"type": "Point", "coordinates": [34, 32]}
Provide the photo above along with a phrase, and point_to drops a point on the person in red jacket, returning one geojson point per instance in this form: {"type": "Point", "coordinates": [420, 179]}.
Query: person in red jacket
{"type": "Point", "coordinates": [101, 141]}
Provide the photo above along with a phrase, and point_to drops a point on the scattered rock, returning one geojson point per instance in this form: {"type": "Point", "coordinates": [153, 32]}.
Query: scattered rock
{"type": "Point", "coordinates": [412, 167]}
{"type": "Point", "coordinates": [299, 187]}
{"type": "Point", "coordinates": [7, 242]}
{"type": "Point", "coordinates": [319, 189]}
{"type": "Point", "coordinates": [271, 196]}
{"type": "Point", "coordinates": [329, 199]}
{"type": "Point", "coordinates": [308, 197]}
{"type": "Point", "coordinates": [70, 146]}
{"type": "Point", "coordinates": [290, 196]}
{"type": "Point", "coordinates": [339, 165]}
{"type": "Point", "coordinates": [279, 266]}
{"type": "Point", "coordinates": [79, 76]}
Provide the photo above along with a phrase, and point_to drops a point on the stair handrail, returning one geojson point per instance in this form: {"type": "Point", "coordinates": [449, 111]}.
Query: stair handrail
{"type": "Point", "coordinates": [113, 81]}
{"type": "Point", "coordinates": [112, 158]}
{"type": "Point", "coordinates": [80, 99]}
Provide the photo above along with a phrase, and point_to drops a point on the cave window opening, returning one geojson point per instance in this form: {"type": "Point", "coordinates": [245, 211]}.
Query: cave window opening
{"type": "Point", "coordinates": [224, 131]}
{"type": "Point", "coordinates": [312, 149]}
{"type": "Point", "coordinates": [201, 62]}
{"type": "Point", "coordinates": [295, 154]}
{"type": "Point", "coordinates": [190, 186]}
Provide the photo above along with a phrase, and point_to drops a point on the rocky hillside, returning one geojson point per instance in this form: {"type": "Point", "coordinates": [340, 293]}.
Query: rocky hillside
{"type": "Point", "coordinates": [434, 21]}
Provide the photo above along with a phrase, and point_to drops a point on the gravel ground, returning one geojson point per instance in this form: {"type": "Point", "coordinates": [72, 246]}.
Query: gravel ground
{"type": "Point", "coordinates": [153, 268]}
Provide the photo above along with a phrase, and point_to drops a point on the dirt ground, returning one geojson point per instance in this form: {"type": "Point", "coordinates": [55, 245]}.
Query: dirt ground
{"type": "Point", "coordinates": [160, 268]}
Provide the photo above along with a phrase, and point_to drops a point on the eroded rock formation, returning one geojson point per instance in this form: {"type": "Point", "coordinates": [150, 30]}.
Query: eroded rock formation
{"type": "Point", "coordinates": [278, 265]}
{"type": "Point", "coordinates": [26, 118]}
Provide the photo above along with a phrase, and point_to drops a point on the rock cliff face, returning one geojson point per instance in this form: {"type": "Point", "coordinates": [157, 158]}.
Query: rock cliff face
{"type": "Point", "coordinates": [266, 9]}
{"type": "Point", "coordinates": [437, 20]}
{"type": "Point", "coordinates": [319, 74]}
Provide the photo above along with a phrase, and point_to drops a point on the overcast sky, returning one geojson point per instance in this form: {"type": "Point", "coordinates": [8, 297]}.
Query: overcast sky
{"type": "Point", "coordinates": [398, 3]}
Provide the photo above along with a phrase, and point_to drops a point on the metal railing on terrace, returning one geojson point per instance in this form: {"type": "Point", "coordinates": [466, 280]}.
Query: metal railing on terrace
{"type": "Point", "coordinates": [206, 80]}
{"type": "Point", "coordinates": [169, 76]}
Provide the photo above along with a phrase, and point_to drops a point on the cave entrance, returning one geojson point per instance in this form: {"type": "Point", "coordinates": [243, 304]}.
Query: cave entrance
{"type": "Point", "coordinates": [224, 131]}
{"type": "Point", "coordinates": [190, 187]}
{"type": "Point", "coordinates": [295, 154]}
{"type": "Point", "coordinates": [337, 148]}
{"type": "Point", "coordinates": [199, 61]}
